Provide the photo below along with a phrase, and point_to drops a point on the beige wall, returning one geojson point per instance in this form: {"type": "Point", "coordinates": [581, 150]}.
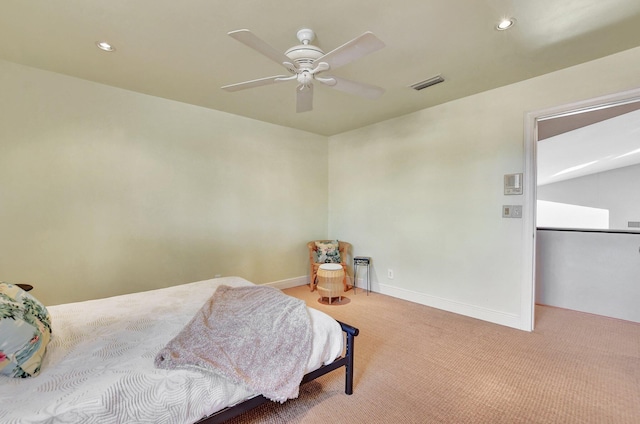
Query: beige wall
{"type": "Point", "coordinates": [105, 191]}
{"type": "Point", "coordinates": [422, 194]}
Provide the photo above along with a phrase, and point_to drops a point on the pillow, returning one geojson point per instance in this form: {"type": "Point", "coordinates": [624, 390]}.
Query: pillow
{"type": "Point", "coordinates": [328, 252]}
{"type": "Point", "coordinates": [25, 331]}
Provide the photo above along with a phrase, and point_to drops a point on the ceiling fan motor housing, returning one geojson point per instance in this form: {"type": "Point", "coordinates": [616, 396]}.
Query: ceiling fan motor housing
{"type": "Point", "coordinates": [304, 55]}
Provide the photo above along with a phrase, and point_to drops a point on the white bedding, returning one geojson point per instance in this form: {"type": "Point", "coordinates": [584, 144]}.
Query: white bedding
{"type": "Point", "coordinates": [99, 366]}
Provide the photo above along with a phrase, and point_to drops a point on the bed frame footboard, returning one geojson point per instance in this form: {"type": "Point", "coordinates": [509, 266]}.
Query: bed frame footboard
{"type": "Point", "coordinates": [344, 361]}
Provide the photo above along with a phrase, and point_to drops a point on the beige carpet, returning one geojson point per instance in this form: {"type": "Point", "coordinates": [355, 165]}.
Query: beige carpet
{"type": "Point", "coordinates": [415, 364]}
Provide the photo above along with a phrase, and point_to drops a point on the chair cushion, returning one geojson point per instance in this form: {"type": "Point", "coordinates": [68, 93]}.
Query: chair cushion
{"type": "Point", "coordinates": [25, 331]}
{"type": "Point", "coordinates": [328, 252]}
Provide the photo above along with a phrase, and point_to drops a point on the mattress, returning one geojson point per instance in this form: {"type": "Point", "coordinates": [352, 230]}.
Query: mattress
{"type": "Point", "coordinates": [99, 366]}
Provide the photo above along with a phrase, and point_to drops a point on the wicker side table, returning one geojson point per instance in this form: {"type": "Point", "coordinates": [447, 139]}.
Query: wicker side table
{"type": "Point", "coordinates": [330, 281]}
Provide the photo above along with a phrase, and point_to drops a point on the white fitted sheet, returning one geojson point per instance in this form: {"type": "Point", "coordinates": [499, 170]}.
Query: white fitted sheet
{"type": "Point", "coordinates": [99, 366]}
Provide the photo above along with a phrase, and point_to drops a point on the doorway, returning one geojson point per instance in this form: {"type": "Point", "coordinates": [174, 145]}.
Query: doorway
{"type": "Point", "coordinates": [576, 113]}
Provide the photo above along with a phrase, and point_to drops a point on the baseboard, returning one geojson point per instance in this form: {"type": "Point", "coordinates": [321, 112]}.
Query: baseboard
{"type": "Point", "coordinates": [496, 317]}
{"type": "Point", "coordinates": [290, 282]}
{"type": "Point", "coordinates": [361, 283]}
{"type": "Point", "coordinates": [473, 311]}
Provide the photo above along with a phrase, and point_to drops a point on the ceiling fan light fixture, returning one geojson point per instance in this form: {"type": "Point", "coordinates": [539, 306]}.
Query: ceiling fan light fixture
{"type": "Point", "coordinates": [104, 46]}
{"type": "Point", "coordinates": [506, 24]}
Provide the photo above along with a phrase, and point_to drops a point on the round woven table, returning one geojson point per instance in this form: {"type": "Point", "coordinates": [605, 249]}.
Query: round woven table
{"type": "Point", "coordinates": [330, 281]}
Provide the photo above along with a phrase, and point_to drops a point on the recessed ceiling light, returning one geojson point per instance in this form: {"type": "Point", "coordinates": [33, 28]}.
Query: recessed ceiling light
{"type": "Point", "coordinates": [103, 45]}
{"type": "Point", "coordinates": [506, 24]}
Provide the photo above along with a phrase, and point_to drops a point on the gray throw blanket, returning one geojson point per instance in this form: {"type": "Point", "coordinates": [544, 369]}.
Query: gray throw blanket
{"type": "Point", "coordinates": [254, 336]}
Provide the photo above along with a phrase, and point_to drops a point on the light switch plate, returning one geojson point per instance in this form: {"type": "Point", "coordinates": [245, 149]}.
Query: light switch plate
{"type": "Point", "coordinates": [512, 211]}
{"type": "Point", "coordinates": [516, 211]}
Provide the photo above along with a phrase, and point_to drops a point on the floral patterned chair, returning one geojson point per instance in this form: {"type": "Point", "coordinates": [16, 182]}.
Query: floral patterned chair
{"type": "Point", "coordinates": [328, 251]}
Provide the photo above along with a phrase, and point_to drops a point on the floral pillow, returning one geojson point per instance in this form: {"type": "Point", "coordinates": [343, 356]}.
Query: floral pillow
{"type": "Point", "coordinates": [25, 331]}
{"type": "Point", "coordinates": [328, 252]}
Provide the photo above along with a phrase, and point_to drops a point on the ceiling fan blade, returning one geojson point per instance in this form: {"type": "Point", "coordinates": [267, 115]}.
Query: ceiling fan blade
{"type": "Point", "coordinates": [255, 83]}
{"type": "Point", "coordinates": [249, 39]}
{"type": "Point", "coordinates": [304, 98]}
{"type": "Point", "coordinates": [358, 88]}
{"type": "Point", "coordinates": [352, 50]}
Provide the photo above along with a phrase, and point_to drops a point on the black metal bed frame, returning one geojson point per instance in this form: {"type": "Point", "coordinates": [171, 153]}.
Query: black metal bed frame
{"type": "Point", "coordinates": [344, 361]}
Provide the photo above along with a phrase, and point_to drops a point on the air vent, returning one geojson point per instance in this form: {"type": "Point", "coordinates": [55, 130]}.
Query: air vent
{"type": "Point", "coordinates": [427, 83]}
{"type": "Point", "coordinates": [634, 224]}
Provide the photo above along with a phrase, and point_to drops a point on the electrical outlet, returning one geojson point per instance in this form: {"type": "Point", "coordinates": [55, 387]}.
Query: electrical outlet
{"type": "Point", "coordinates": [390, 274]}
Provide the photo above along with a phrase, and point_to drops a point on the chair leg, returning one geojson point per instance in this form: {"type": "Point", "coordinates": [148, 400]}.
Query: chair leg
{"type": "Point", "coordinates": [344, 282]}
{"type": "Point", "coordinates": [312, 283]}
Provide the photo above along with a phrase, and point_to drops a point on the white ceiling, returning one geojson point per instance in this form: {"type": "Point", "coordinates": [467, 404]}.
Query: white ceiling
{"type": "Point", "coordinates": [603, 146]}
{"type": "Point", "coordinates": [179, 49]}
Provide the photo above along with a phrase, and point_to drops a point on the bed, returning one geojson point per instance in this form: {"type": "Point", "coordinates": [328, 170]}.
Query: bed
{"type": "Point", "coordinates": [99, 365]}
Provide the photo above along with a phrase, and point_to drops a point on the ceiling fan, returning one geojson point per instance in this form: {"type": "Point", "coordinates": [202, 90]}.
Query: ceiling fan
{"type": "Point", "coordinates": [305, 62]}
